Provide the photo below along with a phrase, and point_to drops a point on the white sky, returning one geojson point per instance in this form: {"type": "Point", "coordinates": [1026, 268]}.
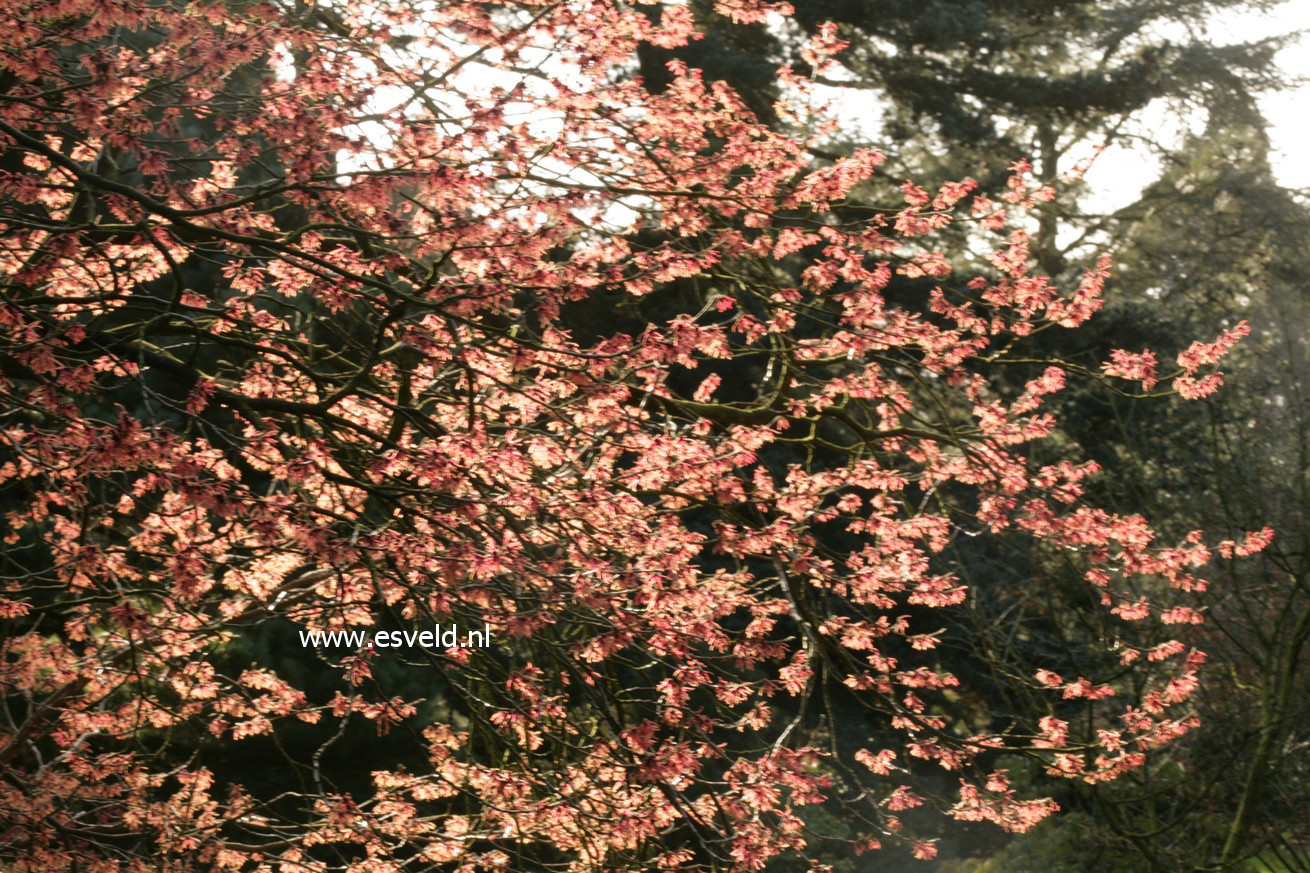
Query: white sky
{"type": "Point", "coordinates": [1121, 173]}
{"type": "Point", "coordinates": [1288, 112]}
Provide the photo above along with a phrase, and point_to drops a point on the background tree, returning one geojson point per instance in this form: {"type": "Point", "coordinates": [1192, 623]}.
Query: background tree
{"type": "Point", "coordinates": [1234, 789]}
{"type": "Point", "coordinates": [968, 86]}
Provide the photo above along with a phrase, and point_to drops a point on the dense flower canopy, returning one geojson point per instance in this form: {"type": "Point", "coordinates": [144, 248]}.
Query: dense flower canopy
{"type": "Point", "coordinates": [320, 318]}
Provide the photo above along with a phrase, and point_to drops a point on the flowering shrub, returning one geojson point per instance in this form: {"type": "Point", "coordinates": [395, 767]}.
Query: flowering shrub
{"type": "Point", "coordinates": [291, 333]}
